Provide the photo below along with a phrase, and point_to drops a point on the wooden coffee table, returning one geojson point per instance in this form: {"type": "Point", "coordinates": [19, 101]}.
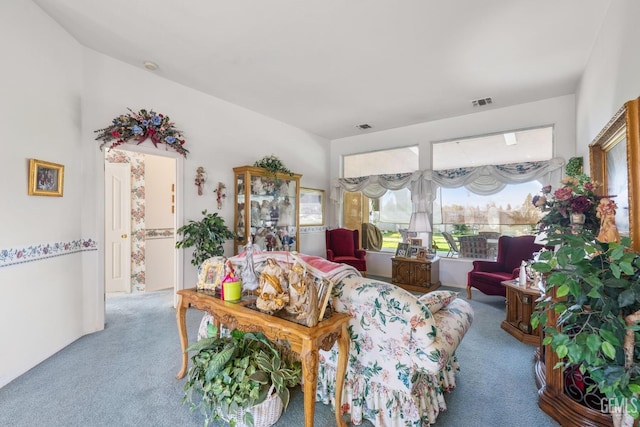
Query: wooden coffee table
{"type": "Point", "coordinates": [306, 341]}
{"type": "Point", "coordinates": [521, 303]}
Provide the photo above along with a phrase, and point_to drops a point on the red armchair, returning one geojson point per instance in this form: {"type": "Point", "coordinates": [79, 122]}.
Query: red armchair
{"type": "Point", "coordinates": [487, 275]}
{"type": "Point", "coordinates": [343, 246]}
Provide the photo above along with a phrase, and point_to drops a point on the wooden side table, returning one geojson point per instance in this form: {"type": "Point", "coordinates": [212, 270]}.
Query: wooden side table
{"type": "Point", "coordinates": [521, 303]}
{"type": "Point", "coordinates": [303, 340]}
{"type": "Point", "coordinates": [416, 275]}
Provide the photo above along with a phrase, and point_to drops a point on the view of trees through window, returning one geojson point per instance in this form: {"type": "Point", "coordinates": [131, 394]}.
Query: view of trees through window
{"type": "Point", "coordinates": [458, 210]}
{"type": "Point", "coordinates": [510, 211]}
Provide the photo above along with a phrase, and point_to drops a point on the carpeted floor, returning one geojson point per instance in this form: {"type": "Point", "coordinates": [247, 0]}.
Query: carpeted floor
{"type": "Point", "coordinates": [125, 375]}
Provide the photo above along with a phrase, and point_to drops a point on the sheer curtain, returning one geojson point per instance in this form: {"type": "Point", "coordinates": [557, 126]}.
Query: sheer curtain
{"type": "Point", "coordinates": [484, 180]}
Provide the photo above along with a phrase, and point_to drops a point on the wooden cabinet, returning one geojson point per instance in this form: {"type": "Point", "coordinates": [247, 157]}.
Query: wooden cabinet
{"type": "Point", "coordinates": [267, 209]}
{"type": "Point", "coordinates": [570, 403]}
{"type": "Point", "coordinates": [521, 302]}
{"type": "Point", "coordinates": [415, 275]}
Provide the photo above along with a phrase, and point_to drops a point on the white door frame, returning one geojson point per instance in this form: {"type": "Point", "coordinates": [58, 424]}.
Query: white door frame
{"type": "Point", "coordinates": [178, 217]}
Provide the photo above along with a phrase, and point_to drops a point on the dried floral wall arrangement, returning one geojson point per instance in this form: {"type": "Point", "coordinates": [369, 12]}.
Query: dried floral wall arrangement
{"type": "Point", "coordinates": [139, 127]}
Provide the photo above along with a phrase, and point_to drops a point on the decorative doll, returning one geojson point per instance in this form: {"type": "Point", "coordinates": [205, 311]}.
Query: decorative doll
{"type": "Point", "coordinates": [256, 186]}
{"type": "Point", "coordinates": [249, 277]}
{"type": "Point", "coordinates": [286, 213]}
{"type": "Point", "coordinates": [274, 213]}
{"type": "Point", "coordinates": [271, 241]}
{"type": "Point", "coordinates": [260, 238]}
{"type": "Point", "coordinates": [255, 213]}
{"type": "Point", "coordinates": [265, 212]}
{"type": "Point", "coordinates": [303, 297]}
{"type": "Point", "coordinates": [606, 211]}
{"type": "Point", "coordinates": [273, 294]}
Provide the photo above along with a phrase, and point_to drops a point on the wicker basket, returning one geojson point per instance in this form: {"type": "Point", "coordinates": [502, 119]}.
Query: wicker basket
{"type": "Point", "coordinates": [264, 414]}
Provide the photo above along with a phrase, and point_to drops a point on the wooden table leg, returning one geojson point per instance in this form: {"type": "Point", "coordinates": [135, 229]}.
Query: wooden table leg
{"type": "Point", "coordinates": [181, 311]}
{"type": "Point", "coordinates": [343, 356]}
{"type": "Point", "coordinates": [309, 358]}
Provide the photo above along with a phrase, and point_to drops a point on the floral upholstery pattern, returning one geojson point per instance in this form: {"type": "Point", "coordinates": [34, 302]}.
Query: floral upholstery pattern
{"type": "Point", "coordinates": [437, 299]}
{"type": "Point", "coordinates": [402, 357]}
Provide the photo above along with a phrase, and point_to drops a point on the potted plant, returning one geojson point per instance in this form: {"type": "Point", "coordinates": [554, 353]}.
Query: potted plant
{"type": "Point", "coordinates": [233, 375]}
{"type": "Point", "coordinates": [594, 289]}
{"type": "Point", "coordinates": [207, 235]}
{"type": "Point", "coordinates": [273, 165]}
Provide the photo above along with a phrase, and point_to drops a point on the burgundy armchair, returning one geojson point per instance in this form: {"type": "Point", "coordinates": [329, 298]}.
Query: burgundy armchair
{"type": "Point", "coordinates": [343, 246]}
{"type": "Point", "coordinates": [487, 275]}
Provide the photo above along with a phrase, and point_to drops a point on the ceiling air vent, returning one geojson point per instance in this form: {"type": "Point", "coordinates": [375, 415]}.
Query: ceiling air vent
{"type": "Point", "coordinates": [481, 102]}
{"type": "Point", "coordinates": [364, 126]}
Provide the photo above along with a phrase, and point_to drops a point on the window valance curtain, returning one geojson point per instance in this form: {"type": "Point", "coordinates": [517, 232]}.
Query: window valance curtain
{"type": "Point", "coordinates": [484, 180]}
{"type": "Point", "coordinates": [490, 179]}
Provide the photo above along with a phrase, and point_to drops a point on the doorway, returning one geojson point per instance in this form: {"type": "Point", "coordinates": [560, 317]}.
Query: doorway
{"type": "Point", "coordinates": [141, 206]}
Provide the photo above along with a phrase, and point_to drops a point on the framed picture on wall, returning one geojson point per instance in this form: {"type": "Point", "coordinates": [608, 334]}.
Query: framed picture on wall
{"type": "Point", "coordinates": [45, 178]}
{"type": "Point", "coordinates": [613, 158]}
{"type": "Point", "coordinates": [311, 206]}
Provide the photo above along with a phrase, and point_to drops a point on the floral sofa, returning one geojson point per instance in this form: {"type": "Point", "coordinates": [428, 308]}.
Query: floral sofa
{"type": "Point", "coordinates": [402, 356]}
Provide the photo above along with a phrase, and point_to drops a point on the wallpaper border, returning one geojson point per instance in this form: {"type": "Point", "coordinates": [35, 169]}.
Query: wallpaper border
{"type": "Point", "coordinates": [42, 251]}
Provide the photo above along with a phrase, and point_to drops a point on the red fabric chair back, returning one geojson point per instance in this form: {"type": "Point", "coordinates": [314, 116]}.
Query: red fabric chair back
{"type": "Point", "coordinates": [343, 245]}
{"type": "Point", "coordinates": [342, 242]}
{"type": "Point", "coordinates": [513, 250]}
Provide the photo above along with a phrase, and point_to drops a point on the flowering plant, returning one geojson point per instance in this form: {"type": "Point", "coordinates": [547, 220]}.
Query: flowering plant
{"type": "Point", "coordinates": [140, 126]}
{"type": "Point", "coordinates": [273, 165]}
{"type": "Point", "coordinates": [577, 196]}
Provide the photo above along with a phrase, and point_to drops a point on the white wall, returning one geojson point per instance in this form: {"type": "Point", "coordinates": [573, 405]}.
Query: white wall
{"type": "Point", "coordinates": [53, 94]}
{"type": "Point", "coordinates": [41, 307]}
{"type": "Point", "coordinates": [159, 174]}
{"type": "Point", "coordinates": [612, 75]}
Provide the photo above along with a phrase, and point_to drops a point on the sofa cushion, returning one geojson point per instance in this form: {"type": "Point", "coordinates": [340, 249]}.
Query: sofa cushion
{"type": "Point", "coordinates": [437, 299]}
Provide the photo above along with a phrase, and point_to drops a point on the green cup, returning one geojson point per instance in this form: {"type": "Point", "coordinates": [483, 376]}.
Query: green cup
{"type": "Point", "coordinates": [232, 291]}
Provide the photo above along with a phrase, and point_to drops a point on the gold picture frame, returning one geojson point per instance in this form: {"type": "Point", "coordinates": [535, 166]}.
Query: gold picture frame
{"type": "Point", "coordinates": [613, 158]}
{"type": "Point", "coordinates": [45, 178]}
{"type": "Point", "coordinates": [415, 242]}
{"type": "Point", "coordinates": [311, 206]}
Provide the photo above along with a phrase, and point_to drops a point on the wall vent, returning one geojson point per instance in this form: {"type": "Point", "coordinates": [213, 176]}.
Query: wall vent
{"type": "Point", "coordinates": [364, 126]}
{"type": "Point", "coordinates": [481, 102]}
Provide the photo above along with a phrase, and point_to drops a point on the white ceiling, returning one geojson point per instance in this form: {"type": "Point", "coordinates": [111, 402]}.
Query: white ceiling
{"type": "Point", "coordinates": [328, 65]}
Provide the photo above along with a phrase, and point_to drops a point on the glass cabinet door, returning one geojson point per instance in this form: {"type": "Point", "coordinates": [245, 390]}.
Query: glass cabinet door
{"type": "Point", "coordinates": [267, 210]}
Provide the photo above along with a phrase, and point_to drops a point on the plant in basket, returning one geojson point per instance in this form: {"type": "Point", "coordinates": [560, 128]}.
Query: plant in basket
{"type": "Point", "coordinates": [241, 378]}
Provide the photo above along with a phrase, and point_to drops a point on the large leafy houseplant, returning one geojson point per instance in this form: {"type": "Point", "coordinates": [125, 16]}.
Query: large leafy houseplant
{"type": "Point", "coordinates": [597, 303]}
{"type": "Point", "coordinates": [232, 373]}
{"type": "Point", "coordinates": [207, 236]}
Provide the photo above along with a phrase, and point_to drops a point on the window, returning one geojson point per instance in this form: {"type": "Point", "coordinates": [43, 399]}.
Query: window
{"type": "Point", "coordinates": [508, 212]}
{"type": "Point", "coordinates": [392, 211]}
{"type": "Point", "coordinates": [498, 149]}
{"type": "Point", "coordinates": [399, 160]}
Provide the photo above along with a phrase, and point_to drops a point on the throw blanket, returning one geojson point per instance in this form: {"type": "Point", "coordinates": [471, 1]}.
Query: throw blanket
{"type": "Point", "coordinates": [317, 266]}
